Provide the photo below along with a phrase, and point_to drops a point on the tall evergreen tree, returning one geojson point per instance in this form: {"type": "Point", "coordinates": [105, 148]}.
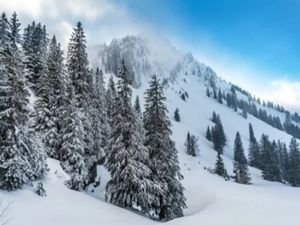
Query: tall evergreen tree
{"type": "Point", "coordinates": [21, 159]}
{"type": "Point", "coordinates": [163, 154]}
{"type": "Point", "coordinates": [191, 144]}
{"type": "Point", "coordinates": [128, 159]}
{"type": "Point", "coordinates": [293, 172]}
{"type": "Point", "coordinates": [220, 97]}
{"type": "Point", "coordinates": [220, 167]}
{"type": "Point", "coordinates": [176, 115]}
{"type": "Point", "coordinates": [208, 134]}
{"type": "Point", "coordinates": [137, 106]}
{"type": "Point", "coordinates": [50, 90]}
{"type": "Point", "coordinates": [218, 136]}
{"type": "Point", "coordinates": [215, 93]}
{"type": "Point", "coordinates": [240, 162]}
{"type": "Point", "coordinates": [283, 160]}
{"type": "Point", "coordinates": [77, 63]}
{"type": "Point", "coordinates": [35, 50]}
{"type": "Point", "coordinates": [101, 106]}
{"type": "Point", "coordinates": [214, 118]}
{"type": "Point", "coordinates": [82, 82]}
{"type": "Point", "coordinates": [207, 92]}
{"type": "Point", "coordinates": [111, 95]}
{"type": "Point", "coordinates": [269, 160]}
{"type": "Point", "coordinates": [254, 151]}
{"type": "Point", "coordinates": [72, 148]}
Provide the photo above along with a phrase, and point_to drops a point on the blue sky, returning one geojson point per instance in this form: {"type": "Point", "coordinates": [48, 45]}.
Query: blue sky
{"type": "Point", "coordinates": [254, 44]}
{"type": "Point", "coordinates": [265, 33]}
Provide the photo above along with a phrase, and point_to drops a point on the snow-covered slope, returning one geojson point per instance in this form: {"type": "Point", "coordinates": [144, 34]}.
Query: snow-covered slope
{"type": "Point", "coordinates": [210, 199]}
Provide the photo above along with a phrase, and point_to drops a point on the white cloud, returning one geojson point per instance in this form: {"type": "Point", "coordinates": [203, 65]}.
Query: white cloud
{"type": "Point", "coordinates": [102, 19]}
{"type": "Point", "coordinates": [283, 91]}
{"type": "Point", "coordinates": [32, 7]}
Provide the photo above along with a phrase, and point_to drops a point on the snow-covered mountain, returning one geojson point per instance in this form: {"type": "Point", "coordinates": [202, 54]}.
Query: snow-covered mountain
{"type": "Point", "coordinates": [210, 199]}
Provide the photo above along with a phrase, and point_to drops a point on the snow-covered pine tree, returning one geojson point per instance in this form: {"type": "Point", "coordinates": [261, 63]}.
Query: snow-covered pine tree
{"type": "Point", "coordinates": [208, 134]}
{"type": "Point", "coordinates": [187, 144]}
{"type": "Point", "coordinates": [240, 167]}
{"type": "Point", "coordinates": [99, 92]}
{"type": "Point", "coordinates": [215, 93]}
{"type": "Point", "coordinates": [50, 90]}
{"type": "Point", "coordinates": [56, 95]}
{"type": "Point", "coordinates": [98, 118]}
{"type": "Point", "coordinates": [111, 95]}
{"type": "Point", "coordinates": [40, 190]}
{"type": "Point", "coordinates": [191, 144]}
{"type": "Point", "coordinates": [177, 115]}
{"type": "Point", "coordinates": [137, 106]}
{"type": "Point", "coordinates": [254, 151]}
{"type": "Point", "coordinates": [218, 136]}
{"type": "Point", "coordinates": [208, 92]}
{"type": "Point", "coordinates": [128, 159]}
{"type": "Point", "coordinates": [214, 117]}
{"type": "Point", "coordinates": [82, 82]}
{"type": "Point", "coordinates": [77, 63]}
{"type": "Point", "coordinates": [163, 154]}
{"type": "Point", "coordinates": [220, 97]}
{"type": "Point", "coordinates": [283, 160]}
{"type": "Point", "coordinates": [35, 50]}
{"type": "Point", "coordinates": [21, 160]}
{"type": "Point", "coordinates": [293, 172]}
{"type": "Point", "coordinates": [220, 167]}
{"type": "Point", "coordinates": [72, 147]}
{"type": "Point", "coordinates": [269, 160]}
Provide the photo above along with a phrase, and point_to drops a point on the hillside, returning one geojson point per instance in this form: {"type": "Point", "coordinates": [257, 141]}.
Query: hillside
{"type": "Point", "coordinates": [210, 199]}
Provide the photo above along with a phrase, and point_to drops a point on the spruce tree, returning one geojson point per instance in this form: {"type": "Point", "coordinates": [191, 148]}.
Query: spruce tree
{"type": "Point", "coordinates": [220, 167]}
{"type": "Point", "coordinates": [218, 136]}
{"type": "Point", "coordinates": [207, 92]}
{"type": "Point", "coordinates": [163, 154]}
{"type": "Point", "coordinates": [269, 160]}
{"type": "Point", "coordinates": [215, 93]}
{"type": "Point", "coordinates": [101, 107]}
{"type": "Point", "coordinates": [283, 160]}
{"type": "Point", "coordinates": [137, 106]}
{"type": "Point", "coordinates": [77, 63]}
{"type": "Point", "coordinates": [57, 92]}
{"type": "Point", "coordinates": [128, 159]}
{"type": "Point", "coordinates": [191, 144]}
{"type": "Point", "coordinates": [208, 134]}
{"type": "Point", "coordinates": [214, 118]}
{"type": "Point", "coordinates": [50, 90]}
{"type": "Point", "coordinates": [220, 97]}
{"type": "Point", "coordinates": [176, 115]}
{"type": "Point", "coordinates": [111, 95]}
{"type": "Point", "coordinates": [82, 83]}
{"type": "Point", "coordinates": [35, 50]}
{"type": "Point", "coordinates": [72, 148]}
{"type": "Point", "coordinates": [21, 159]}
{"type": "Point", "coordinates": [293, 172]}
{"type": "Point", "coordinates": [254, 151]}
{"type": "Point", "coordinates": [240, 162]}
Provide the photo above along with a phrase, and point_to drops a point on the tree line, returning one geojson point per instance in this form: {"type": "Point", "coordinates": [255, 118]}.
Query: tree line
{"type": "Point", "coordinates": [276, 161]}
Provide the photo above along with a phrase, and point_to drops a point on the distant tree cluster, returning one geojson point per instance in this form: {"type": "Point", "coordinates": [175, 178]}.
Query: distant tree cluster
{"type": "Point", "coordinates": [250, 107]}
{"type": "Point", "coordinates": [277, 161]}
{"type": "Point", "coordinates": [191, 144]}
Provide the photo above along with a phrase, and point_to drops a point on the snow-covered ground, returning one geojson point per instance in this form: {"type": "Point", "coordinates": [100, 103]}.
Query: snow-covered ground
{"type": "Point", "coordinates": [210, 199]}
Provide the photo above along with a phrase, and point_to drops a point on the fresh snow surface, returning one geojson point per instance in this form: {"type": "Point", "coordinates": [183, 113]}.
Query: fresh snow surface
{"type": "Point", "coordinates": [210, 199]}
